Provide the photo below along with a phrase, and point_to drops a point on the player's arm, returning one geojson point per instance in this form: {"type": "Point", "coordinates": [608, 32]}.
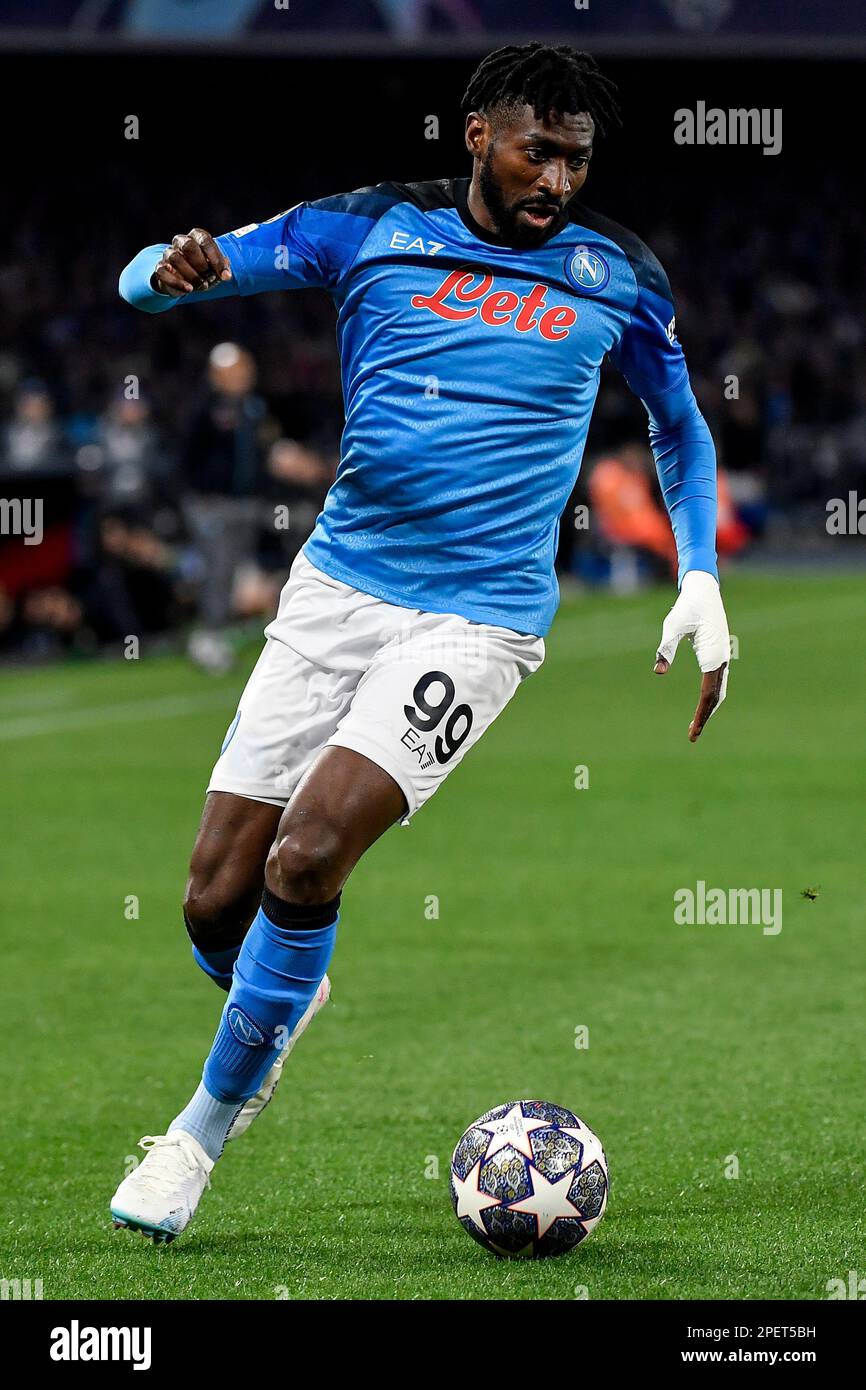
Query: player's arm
{"type": "Point", "coordinates": [292, 250]}
{"type": "Point", "coordinates": [653, 364]}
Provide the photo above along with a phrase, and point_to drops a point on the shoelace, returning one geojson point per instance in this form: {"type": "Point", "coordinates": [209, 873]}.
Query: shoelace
{"type": "Point", "coordinates": [163, 1181]}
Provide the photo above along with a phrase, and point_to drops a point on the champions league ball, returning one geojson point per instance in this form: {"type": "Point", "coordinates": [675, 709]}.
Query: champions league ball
{"type": "Point", "coordinates": [529, 1179]}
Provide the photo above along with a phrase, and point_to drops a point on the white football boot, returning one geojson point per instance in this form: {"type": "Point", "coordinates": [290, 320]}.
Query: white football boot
{"type": "Point", "coordinates": [256, 1104]}
{"type": "Point", "coordinates": [160, 1196]}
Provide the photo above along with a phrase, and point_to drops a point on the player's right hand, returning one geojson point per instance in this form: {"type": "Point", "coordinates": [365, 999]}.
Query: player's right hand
{"type": "Point", "coordinates": [193, 263]}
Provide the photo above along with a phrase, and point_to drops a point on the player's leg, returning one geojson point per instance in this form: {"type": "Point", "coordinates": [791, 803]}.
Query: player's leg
{"type": "Point", "coordinates": [223, 892]}
{"type": "Point", "coordinates": [226, 876]}
{"type": "Point", "coordinates": [286, 714]}
{"type": "Point", "coordinates": [420, 705]}
{"type": "Point", "coordinates": [342, 805]}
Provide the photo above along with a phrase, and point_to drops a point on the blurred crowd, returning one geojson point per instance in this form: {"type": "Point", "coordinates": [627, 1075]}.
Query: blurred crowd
{"type": "Point", "coordinates": [182, 469]}
{"type": "Point", "coordinates": [148, 529]}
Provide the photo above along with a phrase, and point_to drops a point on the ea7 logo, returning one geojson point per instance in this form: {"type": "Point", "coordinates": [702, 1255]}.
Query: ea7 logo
{"type": "Point", "coordinates": [400, 242]}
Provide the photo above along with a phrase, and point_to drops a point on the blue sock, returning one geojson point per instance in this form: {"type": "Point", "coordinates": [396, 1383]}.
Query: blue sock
{"type": "Point", "coordinates": [280, 966]}
{"type": "Point", "coordinates": [218, 965]}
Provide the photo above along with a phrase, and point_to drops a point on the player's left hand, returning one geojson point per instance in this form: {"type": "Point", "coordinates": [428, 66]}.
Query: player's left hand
{"type": "Point", "coordinates": [699, 614]}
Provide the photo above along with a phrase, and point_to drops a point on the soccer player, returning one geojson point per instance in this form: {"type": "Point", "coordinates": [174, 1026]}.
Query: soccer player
{"type": "Point", "coordinates": [473, 318]}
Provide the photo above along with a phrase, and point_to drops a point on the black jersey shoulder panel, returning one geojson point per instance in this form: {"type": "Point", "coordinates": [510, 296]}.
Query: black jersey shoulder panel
{"type": "Point", "coordinates": [648, 270]}
{"type": "Point", "coordinates": [373, 201]}
{"type": "Point", "coordinates": [427, 195]}
{"type": "Point", "coordinates": [377, 199]}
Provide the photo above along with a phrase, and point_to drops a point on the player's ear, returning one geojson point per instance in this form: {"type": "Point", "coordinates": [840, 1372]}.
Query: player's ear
{"type": "Point", "coordinates": [477, 134]}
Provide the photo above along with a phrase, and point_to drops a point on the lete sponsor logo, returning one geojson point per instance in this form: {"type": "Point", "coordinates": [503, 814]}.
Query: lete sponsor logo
{"type": "Point", "coordinates": [467, 293]}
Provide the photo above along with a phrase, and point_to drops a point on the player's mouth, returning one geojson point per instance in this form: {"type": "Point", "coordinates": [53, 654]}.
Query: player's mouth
{"type": "Point", "coordinates": [539, 215]}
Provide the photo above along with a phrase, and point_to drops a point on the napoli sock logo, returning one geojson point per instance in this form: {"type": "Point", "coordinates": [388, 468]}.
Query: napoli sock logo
{"type": "Point", "coordinates": [243, 1028]}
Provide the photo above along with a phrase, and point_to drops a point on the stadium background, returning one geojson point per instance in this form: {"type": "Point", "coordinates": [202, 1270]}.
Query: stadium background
{"type": "Point", "coordinates": [105, 758]}
{"type": "Point", "coordinates": [764, 253]}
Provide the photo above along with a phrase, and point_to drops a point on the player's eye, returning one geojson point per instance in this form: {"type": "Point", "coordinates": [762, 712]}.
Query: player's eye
{"type": "Point", "coordinates": [579, 163]}
{"type": "Point", "coordinates": [536, 155]}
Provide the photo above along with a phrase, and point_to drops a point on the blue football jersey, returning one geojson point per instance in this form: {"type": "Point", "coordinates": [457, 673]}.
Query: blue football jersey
{"type": "Point", "coordinates": [470, 369]}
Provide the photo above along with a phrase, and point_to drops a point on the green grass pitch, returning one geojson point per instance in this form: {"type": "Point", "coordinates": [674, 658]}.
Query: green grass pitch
{"type": "Point", "coordinates": [555, 910]}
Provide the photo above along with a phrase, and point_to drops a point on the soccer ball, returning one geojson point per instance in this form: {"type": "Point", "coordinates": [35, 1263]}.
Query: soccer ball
{"type": "Point", "coordinates": [529, 1179]}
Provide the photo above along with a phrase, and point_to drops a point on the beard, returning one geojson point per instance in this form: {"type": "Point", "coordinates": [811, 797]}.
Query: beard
{"type": "Point", "coordinates": [510, 228]}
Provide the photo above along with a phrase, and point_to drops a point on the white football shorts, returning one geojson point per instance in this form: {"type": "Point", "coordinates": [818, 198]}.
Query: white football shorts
{"type": "Point", "coordinates": [411, 691]}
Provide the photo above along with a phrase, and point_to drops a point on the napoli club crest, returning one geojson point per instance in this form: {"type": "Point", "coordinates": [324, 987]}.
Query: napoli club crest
{"type": "Point", "coordinates": [587, 270]}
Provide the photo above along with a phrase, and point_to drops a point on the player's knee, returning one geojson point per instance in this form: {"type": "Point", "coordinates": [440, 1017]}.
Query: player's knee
{"type": "Point", "coordinates": [216, 914]}
{"type": "Point", "coordinates": [305, 864]}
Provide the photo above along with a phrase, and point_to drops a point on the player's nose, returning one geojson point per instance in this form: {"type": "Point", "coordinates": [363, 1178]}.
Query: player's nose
{"type": "Point", "coordinates": [554, 181]}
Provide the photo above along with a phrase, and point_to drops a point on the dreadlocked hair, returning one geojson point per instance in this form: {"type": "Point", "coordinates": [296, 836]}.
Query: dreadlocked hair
{"type": "Point", "coordinates": [549, 79]}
